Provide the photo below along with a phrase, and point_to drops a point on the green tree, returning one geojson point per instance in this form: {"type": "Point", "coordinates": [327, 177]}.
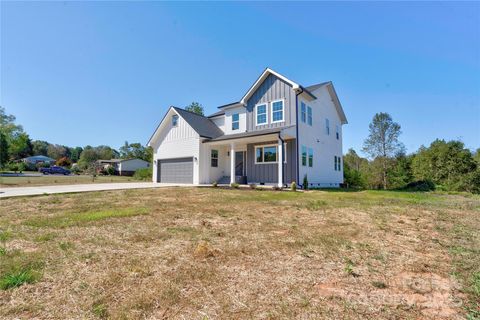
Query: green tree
{"type": "Point", "coordinates": [20, 146]}
{"type": "Point", "coordinates": [382, 142]}
{"type": "Point", "coordinates": [445, 163]}
{"type": "Point", "coordinates": [400, 174]}
{"type": "Point", "coordinates": [354, 169]}
{"type": "Point", "coordinates": [40, 147]}
{"type": "Point", "coordinates": [75, 154]}
{"type": "Point", "coordinates": [195, 107]}
{"type": "Point", "coordinates": [3, 150]}
{"type": "Point", "coordinates": [56, 151]}
{"type": "Point", "coordinates": [135, 151]}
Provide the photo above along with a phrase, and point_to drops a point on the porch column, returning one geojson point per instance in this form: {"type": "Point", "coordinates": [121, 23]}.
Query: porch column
{"type": "Point", "coordinates": [232, 163]}
{"type": "Point", "coordinates": [280, 163]}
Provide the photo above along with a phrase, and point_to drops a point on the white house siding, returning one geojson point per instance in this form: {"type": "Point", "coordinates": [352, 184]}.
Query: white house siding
{"type": "Point", "coordinates": [242, 119]}
{"type": "Point", "coordinates": [176, 142]}
{"type": "Point", "coordinates": [132, 165]}
{"type": "Point", "coordinates": [219, 122]}
{"type": "Point", "coordinates": [209, 174]}
{"type": "Point", "coordinates": [325, 147]}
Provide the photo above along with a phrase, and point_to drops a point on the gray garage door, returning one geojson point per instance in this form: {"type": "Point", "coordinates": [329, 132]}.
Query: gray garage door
{"type": "Point", "coordinates": [176, 170]}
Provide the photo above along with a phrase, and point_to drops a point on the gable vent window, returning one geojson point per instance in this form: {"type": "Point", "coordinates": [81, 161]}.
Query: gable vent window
{"type": "Point", "coordinates": [261, 114]}
{"type": "Point", "coordinates": [309, 116]}
{"type": "Point", "coordinates": [235, 121]}
{"type": "Point", "coordinates": [337, 133]}
{"type": "Point", "coordinates": [214, 158]}
{"type": "Point", "coordinates": [174, 120]}
{"type": "Point", "coordinates": [277, 111]}
{"type": "Point", "coordinates": [303, 112]}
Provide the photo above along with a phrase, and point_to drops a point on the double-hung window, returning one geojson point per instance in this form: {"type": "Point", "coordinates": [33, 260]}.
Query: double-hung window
{"type": "Point", "coordinates": [310, 157]}
{"type": "Point", "coordinates": [261, 114]}
{"type": "Point", "coordinates": [339, 165]}
{"type": "Point", "coordinates": [327, 126]}
{"type": "Point", "coordinates": [309, 115]}
{"type": "Point", "coordinates": [214, 158]}
{"type": "Point", "coordinates": [265, 154]}
{"type": "Point", "coordinates": [277, 111]}
{"type": "Point", "coordinates": [303, 112]}
{"type": "Point", "coordinates": [174, 120]}
{"type": "Point", "coordinates": [235, 121]}
{"type": "Point", "coordinates": [337, 132]}
{"type": "Point", "coordinates": [335, 159]}
{"type": "Point", "coordinates": [304, 156]}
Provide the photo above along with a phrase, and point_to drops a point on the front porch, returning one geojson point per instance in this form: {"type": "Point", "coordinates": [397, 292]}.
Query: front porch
{"type": "Point", "coordinates": [266, 159]}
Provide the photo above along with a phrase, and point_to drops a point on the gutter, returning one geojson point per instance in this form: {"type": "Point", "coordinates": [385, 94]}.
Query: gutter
{"type": "Point", "coordinates": [283, 160]}
{"type": "Point", "coordinates": [297, 144]}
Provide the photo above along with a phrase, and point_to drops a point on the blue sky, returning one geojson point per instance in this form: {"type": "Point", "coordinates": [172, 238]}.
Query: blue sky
{"type": "Point", "coordinates": [104, 72]}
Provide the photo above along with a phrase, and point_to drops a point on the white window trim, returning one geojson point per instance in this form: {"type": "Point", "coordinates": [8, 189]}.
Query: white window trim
{"type": "Point", "coordinates": [263, 153]}
{"type": "Point", "coordinates": [301, 112]}
{"type": "Point", "coordinates": [283, 110]}
{"type": "Point", "coordinates": [306, 156]}
{"type": "Point", "coordinates": [307, 118]}
{"type": "Point", "coordinates": [266, 114]}
{"type": "Point", "coordinates": [236, 121]}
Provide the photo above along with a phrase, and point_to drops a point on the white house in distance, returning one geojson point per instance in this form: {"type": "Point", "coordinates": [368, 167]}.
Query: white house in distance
{"type": "Point", "coordinates": [277, 133]}
{"type": "Point", "coordinates": [124, 167]}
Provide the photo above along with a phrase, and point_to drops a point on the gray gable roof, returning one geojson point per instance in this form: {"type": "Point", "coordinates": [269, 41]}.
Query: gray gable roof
{"type": "Point", "coordinates": [218, 113]}
{"type": "Point", "coordinates": [249, 134]}
{"type": "Point", "coordinates": [318, 85]}
{"type": "Point", "coordinates": [202, 125]}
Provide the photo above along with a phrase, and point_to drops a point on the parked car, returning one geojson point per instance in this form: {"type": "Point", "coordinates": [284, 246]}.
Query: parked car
{"type": "Point", "coordinates": [55, 170]}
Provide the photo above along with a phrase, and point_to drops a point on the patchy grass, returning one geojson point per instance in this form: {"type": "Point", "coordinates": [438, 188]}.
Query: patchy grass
{"type": "Point", "coordinates": [83, 218]}
{"type": "Point", "coordinates": [44, 180]}
{"type": "Point", "coordinates": [198, 253]}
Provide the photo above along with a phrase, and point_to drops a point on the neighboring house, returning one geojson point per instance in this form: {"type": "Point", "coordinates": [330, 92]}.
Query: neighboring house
{"type": "Point", "coordinates": [124, 167]}
{"type": "Point", "coordinates": [277, 133]}
{"type": "Point", "coordinates": [38, 159]}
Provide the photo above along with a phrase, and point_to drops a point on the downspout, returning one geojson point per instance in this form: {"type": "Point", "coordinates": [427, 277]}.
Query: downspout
{"type": "Point", "coordinates": [283, 159]}
{"type": "Point", "coordinates": [297, 144]}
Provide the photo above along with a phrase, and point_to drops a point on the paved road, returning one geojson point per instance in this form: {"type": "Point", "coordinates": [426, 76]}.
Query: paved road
{"type": "Point", "coordinates": [31, 191]}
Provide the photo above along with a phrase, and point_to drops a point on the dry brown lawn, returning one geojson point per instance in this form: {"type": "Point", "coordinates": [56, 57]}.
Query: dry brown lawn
{"type": "Point", "coordinates": [203, 253]}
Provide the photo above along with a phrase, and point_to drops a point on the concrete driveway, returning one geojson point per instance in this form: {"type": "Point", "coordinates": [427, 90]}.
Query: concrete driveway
{"type": "Point", "coordinates": [40, 190]}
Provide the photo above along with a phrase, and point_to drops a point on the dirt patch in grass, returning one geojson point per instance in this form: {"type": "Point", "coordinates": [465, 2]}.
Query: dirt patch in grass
{"type": "Point", "coordinates": [194, 253]}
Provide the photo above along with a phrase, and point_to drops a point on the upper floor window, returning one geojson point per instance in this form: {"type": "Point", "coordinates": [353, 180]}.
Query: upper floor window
{"type": "Point", "coordinates": [337, 132]}
{"type": "Point", "coordinates": [174, 120]}
{"type": "Point", "coordinates": [261, 114]}
{"type": "Point", "coordinates": [339, 164]}
{"type": "Point", "coordinates": [303, 110]}
{"type": "Point", "coordinates": [304, 156]}
{"type": "Point", "coordinates": [235, 121]}
{"type": "Point", "coordinates": [214, 158]}
{"type": "Point", "coordinates": [335, 162]}
{"type": "Point", "coordinates": [310, 157]}
{"type": "Point", "coordinates": [277, 111]}
{"type": "Point", "coordinates": [327, 126]}
{"type": "Point", "coordinates": [309, 115]}
{"type": "Point", "coordinates": [265, 154]}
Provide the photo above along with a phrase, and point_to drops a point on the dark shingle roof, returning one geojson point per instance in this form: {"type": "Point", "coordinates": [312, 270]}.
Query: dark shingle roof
{"type": "Point", "coordinates": [218, 113]}
{"type": "Point", "coordinates": [316, 86]}
{"type": "Point", "coordinates": [202, 125]}
{"type": "Point", "coordinates": [248, 134]}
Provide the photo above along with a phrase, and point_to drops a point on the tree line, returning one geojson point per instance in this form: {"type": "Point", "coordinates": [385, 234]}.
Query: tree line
{"type": "Point", "coordinates": [15, 144]}
{"type": "Point", "coordinates": [444, 165]}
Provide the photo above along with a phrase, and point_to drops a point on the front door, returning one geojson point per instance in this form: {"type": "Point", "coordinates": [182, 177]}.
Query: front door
{"type": "Point", "coordinates": [239, 164]}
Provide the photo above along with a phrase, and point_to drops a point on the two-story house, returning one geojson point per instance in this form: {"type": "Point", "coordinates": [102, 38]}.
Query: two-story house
{"type": "Point", "coordinates": [277, 133]}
